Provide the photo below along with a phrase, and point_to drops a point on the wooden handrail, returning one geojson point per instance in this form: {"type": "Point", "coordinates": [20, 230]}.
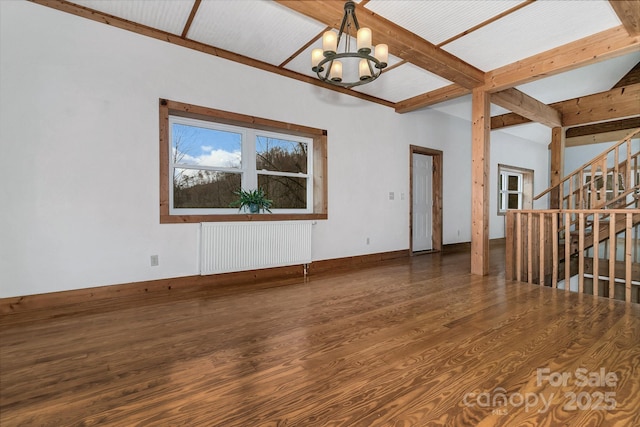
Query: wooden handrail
{"type": "Point", "coordinates": [538, 252]}
{"type": "Point", "coordinates": [622, 196]}
{"type": "Point", "coordinates": [575, 211]}
{"type": "Point", "coordinates": [601, 156]}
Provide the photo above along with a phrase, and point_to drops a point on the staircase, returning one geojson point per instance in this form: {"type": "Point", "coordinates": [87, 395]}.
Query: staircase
{"type": "Point", "coordinates": [590, 242]}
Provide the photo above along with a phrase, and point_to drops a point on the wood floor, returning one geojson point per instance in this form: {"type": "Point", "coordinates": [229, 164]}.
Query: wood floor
{"type": "Point", "coordinates": [410, 342]}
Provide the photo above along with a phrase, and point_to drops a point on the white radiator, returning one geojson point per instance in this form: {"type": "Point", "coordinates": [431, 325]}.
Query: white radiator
{"type": "Point", "coordinates": [239, 246]}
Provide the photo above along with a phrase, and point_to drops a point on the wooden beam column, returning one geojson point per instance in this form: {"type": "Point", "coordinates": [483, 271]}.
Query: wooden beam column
{"type": "Point", "coordinates": [557, 165]}
{"type": "Point", "coordinates": [526, 106]}
{"type": "Point", "coordinates": [480, 167]}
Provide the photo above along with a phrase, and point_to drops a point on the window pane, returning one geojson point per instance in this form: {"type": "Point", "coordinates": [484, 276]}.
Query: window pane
{"type": "Point", "coordinates": [280, 155]}
{"type": "Point", "coordinates": [610, 182]}
{"type": "Point", "coordinates": [192, 145]}
{"type": "Point", "coordinates": [285, 191]}
{"type": "Point", "coordinates": [502, 201]}
{"type": "Point", "coordinates": [513, 182]}
{"type": "Point", "coordinates": [598, 182]}
{"type": "Point", "coordinates": [513, 201]}
{"type": "Point", "coordinates": [204, 188]}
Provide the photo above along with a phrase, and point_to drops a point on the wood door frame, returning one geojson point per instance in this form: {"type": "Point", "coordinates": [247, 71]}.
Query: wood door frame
{"type": "Point", "coordinates": [436, 182]}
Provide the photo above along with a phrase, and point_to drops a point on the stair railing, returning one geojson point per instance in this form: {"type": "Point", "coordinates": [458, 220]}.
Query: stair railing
{"type": "Point", "coordinates": [599, 254]}
{"type": "Point", "coordinates": [594, 184]}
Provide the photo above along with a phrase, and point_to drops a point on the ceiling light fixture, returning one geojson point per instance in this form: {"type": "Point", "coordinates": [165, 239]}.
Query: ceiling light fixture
{"type": "Point", "coordinates": [326, 62]}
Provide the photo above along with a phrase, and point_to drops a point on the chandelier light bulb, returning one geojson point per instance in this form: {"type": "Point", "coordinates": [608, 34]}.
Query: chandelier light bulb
{"type": "Point", "coordinates": [364, 70]}
{"type": "Point", "coordinates": [329, 43]}
{"type": "Point", "coordinates": [336, 71]}
{"type": "Point", "coordinates": [382, 55]}
{"type": "Point", "coordinates": [364, 40]}
{"type": "Point", "coordinates": [316, 56]}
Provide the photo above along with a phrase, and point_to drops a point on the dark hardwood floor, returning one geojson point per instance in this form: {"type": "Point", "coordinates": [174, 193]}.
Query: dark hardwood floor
{"type": "Point", "coordinates": [409, 342]}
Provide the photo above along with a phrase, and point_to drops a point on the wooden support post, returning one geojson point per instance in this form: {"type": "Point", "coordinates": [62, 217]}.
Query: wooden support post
{"type": "Point", "coordinates": [557, 166]}
{"type": "Point", "coordinates": [567, 251]}
{"type": "Point", "coordinates": [541, 244]}
{"type": "Point", "coordinates": [581, 252]}
{"type": "Point", "coordinates": [596, 253]}
{"type": "Point", "coordinates": [627, 256]}
{"type": "Point", "coordinates": [530, 238]}
{"type": "Point", "coordinates": [612, 254]}
{"type": "Point", "coordinates": [480, 166]}
{"type": "Point", "coordinates": [509, 250]}
{"type": "Point", "coordinates": [519, 246]}
{"type": "Point", "coordinates": [554, 247]}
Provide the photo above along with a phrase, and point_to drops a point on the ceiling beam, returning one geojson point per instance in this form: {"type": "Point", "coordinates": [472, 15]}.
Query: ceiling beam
{"type": "Point", "coordinates": [600, 132]}
{"type": "Point", "coordinates": [615, 135]}
{"type": "Point", "coordinates": [401, 42]}
{"type": "Point", "coordinates": [507, 120]}
{"type": "Point", "coordinates": [628, 12]}
{"type": "Point", "coordinates": [609, 105]}
{"type": "Point", "coordinates": [430, 98]}
{"type": "Point", "coordinates": [192, 15]}
{"type": "Point", "coordinates": [632, 77]}
{"type": "Point", "coordinates": [614, 125]}
{"type": "Point", "coordinates": [526, 106]}
{"type": "Point", "coordinates": [589, 50]}
{"type": "Point", "coordinates": [485, 23]}
{"type": "Point", "coordinates": [613, 104]}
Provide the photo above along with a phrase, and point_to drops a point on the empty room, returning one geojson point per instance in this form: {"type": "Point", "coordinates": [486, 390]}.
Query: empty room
{"type": "Point", "coordinates": [320, 213]}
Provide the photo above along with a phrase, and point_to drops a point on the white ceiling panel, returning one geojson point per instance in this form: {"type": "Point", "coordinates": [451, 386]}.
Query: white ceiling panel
{"type": "Point", "coordinates": [458, 107]}
{"type": "Point", "coordinates": [535, 132]}
{"type": "Point", "coordinates": [461, 108]}
{"type": "Point", "coordinates": [258, 29]}
{"type": "Point", "coordinates": [166, 15]}
{"type": "Point", "coordinates": [439, 20]}
{"type": "Point", "coordinates": [400, 83]}
{"type": "Point", "coordinates": [540, 26]}
{"type": "Point", "coordinates": [587, 80]}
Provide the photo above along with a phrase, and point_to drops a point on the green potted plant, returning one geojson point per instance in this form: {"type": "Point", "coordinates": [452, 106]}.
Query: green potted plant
{"type": "Point", "coordinates": [252, 200]}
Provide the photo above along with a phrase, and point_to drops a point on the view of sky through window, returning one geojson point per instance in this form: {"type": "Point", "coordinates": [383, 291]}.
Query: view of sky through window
{"type": "Point", "coordinates": [193, 145]}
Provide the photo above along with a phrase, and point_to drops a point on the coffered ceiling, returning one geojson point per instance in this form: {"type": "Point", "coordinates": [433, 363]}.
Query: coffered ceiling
{"type": "Point", "coordinates": [550, 50]}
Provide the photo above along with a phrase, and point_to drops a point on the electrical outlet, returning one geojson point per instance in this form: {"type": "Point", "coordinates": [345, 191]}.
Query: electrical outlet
{"type": "Point", "coordinates": [391, 195]}
{"type": "Point", "coordinates": [367, 240]}
{"type": "Point", "coordinates": [154, 260]}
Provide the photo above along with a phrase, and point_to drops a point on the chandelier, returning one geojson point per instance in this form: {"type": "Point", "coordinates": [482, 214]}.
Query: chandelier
{"type": "Point", "coordinates": [327, 62]}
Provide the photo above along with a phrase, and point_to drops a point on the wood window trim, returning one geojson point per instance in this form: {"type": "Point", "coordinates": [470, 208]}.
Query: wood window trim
{"type": "Point", "coordinates": [527, 185]}
{"type": "Point", "coordinates": [319, 136]}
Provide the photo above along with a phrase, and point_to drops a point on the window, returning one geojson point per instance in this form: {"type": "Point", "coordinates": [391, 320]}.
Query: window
{"type": "Point", "coordinates": [511, 190]}
{"type": "Point", "coordinates": [207, 155]}
{"type": "Point", "coordinates": [515, 188]}
{"type": "Point", "coordinates": [598, 184]}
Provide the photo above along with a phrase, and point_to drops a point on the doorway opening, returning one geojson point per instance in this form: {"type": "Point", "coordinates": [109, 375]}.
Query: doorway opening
{"type": "Point", "coordinates": [425, 213]}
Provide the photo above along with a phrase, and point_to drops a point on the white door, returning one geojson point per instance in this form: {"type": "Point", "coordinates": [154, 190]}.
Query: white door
{"type": "Point", "coordinates": [422, 202]}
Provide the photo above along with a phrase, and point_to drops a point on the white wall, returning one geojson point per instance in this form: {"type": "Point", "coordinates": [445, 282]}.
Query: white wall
{"type": "Point", "coordinates": [79, 143]}
{"type": "Point", "coordinates": [510, 150]}
{"type": "Point", "coordinates": [576, 157]}
{"type": "Point", "coordinates": [452, 135]}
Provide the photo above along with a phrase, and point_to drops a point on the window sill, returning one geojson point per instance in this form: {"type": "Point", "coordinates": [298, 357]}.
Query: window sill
{"type": "Point", "coordinates": [185, 219]}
